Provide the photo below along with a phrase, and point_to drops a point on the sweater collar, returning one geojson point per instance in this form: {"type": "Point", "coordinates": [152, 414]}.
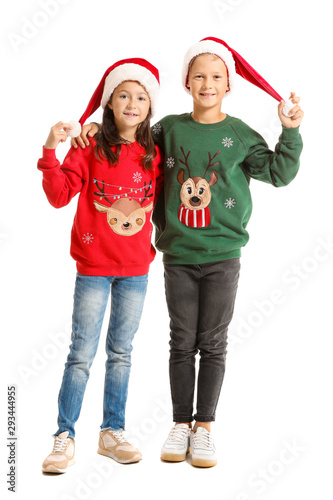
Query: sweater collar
{"type": "Point", "coordinates": [206, 126]}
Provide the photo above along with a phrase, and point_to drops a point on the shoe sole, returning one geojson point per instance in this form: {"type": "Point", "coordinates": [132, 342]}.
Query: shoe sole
{"type": "Point", "coordinates": [170, 457]}
{"type": "Point", "coordinates": [174, 457]}
{"type": "Point", "coordinates": [55, 470]}
{"type": "Point", "coordinates": [200, 462]}
{"type": "Point", "coordinates": [107, 453]}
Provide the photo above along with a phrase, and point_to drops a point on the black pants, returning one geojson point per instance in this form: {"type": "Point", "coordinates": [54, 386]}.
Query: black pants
{"type": "Point", "coordinates": [200, 301]}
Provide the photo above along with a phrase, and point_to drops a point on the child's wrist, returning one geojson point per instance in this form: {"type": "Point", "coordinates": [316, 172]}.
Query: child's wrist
{"type": "Point", "coordinates": [50, 145]}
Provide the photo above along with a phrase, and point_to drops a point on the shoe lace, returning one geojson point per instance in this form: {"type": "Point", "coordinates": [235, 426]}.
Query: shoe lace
{"type": "Point", "coordinates": [119, 436]}
{"type": "Point", "coordinates": [203, 440]}
{"type": "Point", "coordinates": [177, 434]}
{"type": "Point", "coordinates": [60, 444]}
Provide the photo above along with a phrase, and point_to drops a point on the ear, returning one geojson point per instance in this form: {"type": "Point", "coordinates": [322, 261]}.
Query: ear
{"type": "Point", "coordinates": [213, 178]}
{"type": "Point", "coordinates": [180, 176]}
{"type": "Point", "coordinates": [100, 208]}
{"type": "Point", "coordinates": [148, 208]}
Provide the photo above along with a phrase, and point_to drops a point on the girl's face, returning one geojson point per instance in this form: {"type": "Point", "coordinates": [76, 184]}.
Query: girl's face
{"type": "Point", "coordinates": [208, 81]}
{"type": "Point", "coordinates": [130, 104]}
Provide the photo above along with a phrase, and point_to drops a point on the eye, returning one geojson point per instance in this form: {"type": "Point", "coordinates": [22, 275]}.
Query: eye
{"type": "Point", "coordinates": [142, 99]}
{"type": "Point", "coordinates": [201, 190]}
{"type": "Point", "coordinates": [189, 190]}
{"type": "Point", "coordinates": [113, 221]}
{"type": "Point", "coordinates": [139, 221]}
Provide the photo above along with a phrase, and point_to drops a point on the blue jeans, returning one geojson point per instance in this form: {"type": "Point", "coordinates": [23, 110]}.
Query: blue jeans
{"type": "Point", "coordinates": [90, 301]}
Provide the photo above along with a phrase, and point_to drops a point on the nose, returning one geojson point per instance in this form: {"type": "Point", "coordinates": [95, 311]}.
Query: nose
{"type": "Point", "coordinates": [195, 199]}
{"type": "Point", "coordinates": [127, 225]}
{"type": "Point", "coordinates": [131, 103]}
{"type": "Point", "coordinates": [207, 82]}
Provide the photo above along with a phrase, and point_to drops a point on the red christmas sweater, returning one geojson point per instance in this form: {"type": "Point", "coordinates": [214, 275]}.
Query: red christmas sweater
{"type": "Point", "coordinates": [111, 233]}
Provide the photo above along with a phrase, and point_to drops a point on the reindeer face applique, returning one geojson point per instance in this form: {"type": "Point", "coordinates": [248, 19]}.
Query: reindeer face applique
{"type": "Point", "coordinates": [125, 216]}
{"type": "Point", "coordinates": [195, 194]}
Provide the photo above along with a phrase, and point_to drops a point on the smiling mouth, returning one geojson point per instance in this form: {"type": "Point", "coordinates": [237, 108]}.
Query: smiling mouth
{"type": "Point", "coordinates": [207, 94]}
{"type": "Point", "coordinates": [130, 114]}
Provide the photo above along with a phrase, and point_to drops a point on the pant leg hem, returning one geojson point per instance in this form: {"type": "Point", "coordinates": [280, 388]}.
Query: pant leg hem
{"type": "Point", "coordinates": [204, 418]}
{"type": "Point", "coordinates": [59, 432]}
{"type": "Point", "coordinates": [112, 429]}
{"type": "Point", "coordinates": [182, 420]}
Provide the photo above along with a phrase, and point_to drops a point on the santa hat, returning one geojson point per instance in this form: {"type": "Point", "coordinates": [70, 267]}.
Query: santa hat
{"type": "Point", "coordinates": [135, 69]}
{"type": "Point", "coordinates": [233, 61]}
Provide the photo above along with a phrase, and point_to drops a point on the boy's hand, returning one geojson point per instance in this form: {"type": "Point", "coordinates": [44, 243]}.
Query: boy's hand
{"type": "Point", "coordinates": [57, 134]}
{"type": "Point", "coordinates": [90, 130]}
{"type": "Point", "coordinates": [292, 121]}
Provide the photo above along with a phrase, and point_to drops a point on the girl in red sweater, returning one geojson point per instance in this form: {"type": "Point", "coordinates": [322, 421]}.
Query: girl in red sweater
{"type": "Point", "coordinates": [118, 177]}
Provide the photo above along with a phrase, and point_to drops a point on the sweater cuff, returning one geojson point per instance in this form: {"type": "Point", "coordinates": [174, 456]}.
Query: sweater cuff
{"type": "Point", "coordinates": [49, 154]}
{"type": "Point", "coordinates": [290, 134]}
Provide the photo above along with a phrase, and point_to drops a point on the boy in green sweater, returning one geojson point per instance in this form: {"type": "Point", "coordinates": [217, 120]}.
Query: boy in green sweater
{"type": "Point", "coordinates": [201, 218]}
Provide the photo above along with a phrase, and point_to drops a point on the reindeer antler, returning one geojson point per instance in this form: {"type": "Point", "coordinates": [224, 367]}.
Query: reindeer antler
{"type": "Point", "coordinates": [185, 162]}
{"type": "Point", "coordinates": [146, 195]}
{"type": "Point", "coordinates": [210, 164]}
{"type": "Point", "coordinates": [101, 192]}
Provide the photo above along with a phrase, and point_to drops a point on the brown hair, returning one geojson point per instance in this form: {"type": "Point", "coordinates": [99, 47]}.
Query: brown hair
{"type": "Point", "coordinates": [107, 136]}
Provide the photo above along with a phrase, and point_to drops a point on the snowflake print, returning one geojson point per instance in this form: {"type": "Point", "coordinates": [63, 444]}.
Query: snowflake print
{"type": "Point", "coordinates": [157, 128]}
{"type": "Point", "coordinates": [170, 162]}
{"type": "Point", "coordinates": [137, 177]}
{"type": "Point", "coordinates": [87, 238]}
{"type": "Point", "coordinates": [227, 142]}
{"type": "Point", "coordinates": [230, 203]}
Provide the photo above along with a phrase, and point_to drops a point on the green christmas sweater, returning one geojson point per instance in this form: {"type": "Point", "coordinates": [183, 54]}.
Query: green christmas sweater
{"type": "Point", "coordinates": [204, 208]}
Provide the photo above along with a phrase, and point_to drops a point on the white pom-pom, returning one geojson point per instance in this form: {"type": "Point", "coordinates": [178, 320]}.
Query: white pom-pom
{"type": "Point", "coordinates": [288, 105]}
{"type": "Point", "coordinates": [76, 130]}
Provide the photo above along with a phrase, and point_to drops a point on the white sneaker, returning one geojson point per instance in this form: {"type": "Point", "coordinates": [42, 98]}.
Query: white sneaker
{"type": "Point", "coordinates": [176, 446]}
{"type": "Point", "coordinates": [202, 448]}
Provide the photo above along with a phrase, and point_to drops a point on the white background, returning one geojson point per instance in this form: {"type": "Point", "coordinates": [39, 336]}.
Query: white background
{"type": "Point", "coordinates": [277, 389]}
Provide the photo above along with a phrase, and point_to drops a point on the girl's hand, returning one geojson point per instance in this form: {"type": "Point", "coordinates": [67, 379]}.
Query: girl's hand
{"type": "Point", "coordinates": [57, 134]}
{"type": "Point", "coordinates": [90, 130]}
{"type": "Point", "coordinates": [292, 121]}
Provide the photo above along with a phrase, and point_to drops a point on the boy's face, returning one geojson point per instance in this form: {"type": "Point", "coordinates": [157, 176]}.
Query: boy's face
{"type": "Point", "coordinates": [208, 81]}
